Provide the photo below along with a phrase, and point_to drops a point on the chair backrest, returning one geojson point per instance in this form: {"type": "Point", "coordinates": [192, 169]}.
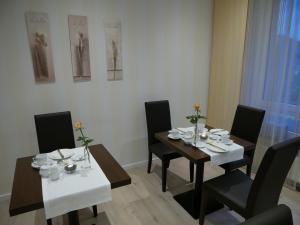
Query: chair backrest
{"type": "Point", "coordinates": [247, 123]}
{"type": "Point", "coordinates": [279, 215]}
{"type": "Point", "coordinates": [270, 177]}
{"type": "Point", "coordinates": [158, 118]}
{"type": "Point", "coordinates": [54, 131]}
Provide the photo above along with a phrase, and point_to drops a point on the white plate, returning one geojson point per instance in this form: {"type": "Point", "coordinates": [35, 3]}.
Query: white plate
{"type": "Point", "coordinates": [79, 156]}
{"type": "Point", "coordinates": [221, 133]}
{"type": "Point", "coordinates": [173, 137]}
{"type": "Point", "coordinates": [216, 149]}
{"type": "Point", "coordinates": [215, 130]}
{"type": "Point", "coordinates": [67, 153]}
{"type": "Point", "coordinates": [229, 142]}
{"type": "Point", "coordinates": [214, 136]}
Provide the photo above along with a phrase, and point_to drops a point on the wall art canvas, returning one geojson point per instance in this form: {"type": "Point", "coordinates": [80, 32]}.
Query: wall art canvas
{"type": "Point", "coordinates": [40, 46]}
{"type": "Point", "coordinates": [113, 50]}
{"type": "Point", "coordinates": [79, 44]}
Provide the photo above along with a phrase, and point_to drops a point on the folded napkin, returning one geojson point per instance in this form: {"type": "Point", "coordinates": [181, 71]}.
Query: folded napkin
{"type": "Point", "coordinates": [186, 129]}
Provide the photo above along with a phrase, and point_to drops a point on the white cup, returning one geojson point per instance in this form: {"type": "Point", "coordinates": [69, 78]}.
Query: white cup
{"type": "Point", "coordinates": [54, 172]}
{"type": "Point", "coordinates": [188, 135]}
{"type": "Point", "coordinates": [44, 171]}
{"type": "Point", "coordinates": [225, 138]}
{"type": "Point", "coordinates": [41, 159]}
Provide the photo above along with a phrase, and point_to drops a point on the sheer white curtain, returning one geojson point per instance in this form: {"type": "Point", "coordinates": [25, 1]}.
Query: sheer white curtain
{"type": "Point", "coordinates": [271, 72]}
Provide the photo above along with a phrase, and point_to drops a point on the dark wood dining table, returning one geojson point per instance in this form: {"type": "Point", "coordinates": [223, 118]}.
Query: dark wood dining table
{"type": "Point", "coordinates": [26, 192]}
{"type": "Point", "coordinates": [191, 200]}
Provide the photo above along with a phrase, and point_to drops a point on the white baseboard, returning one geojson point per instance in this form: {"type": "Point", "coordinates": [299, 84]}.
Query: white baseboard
{"type": "Point", "coordinates": [137, 164]}
{"type": "Point", "coordinates": [4, 197]}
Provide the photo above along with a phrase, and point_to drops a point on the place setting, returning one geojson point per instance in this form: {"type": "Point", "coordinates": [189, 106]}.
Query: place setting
{"type": "Point", "coordinates": [215, 142]}
{"type": "Point", "coordinates": [61, 162]}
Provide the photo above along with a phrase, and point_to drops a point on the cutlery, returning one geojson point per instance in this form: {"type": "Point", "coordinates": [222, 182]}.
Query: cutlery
{"type": "Point", "coordinates": [60, 153]}
{"type": "Point", "coordinates": [216, 146]}
{"type": "Point", "coordinates": [181, 131]}
{"type": "Point", "coordinates": [216, 131]}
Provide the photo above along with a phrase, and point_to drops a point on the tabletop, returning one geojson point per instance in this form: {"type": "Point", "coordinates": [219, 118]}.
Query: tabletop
{"type": "Point", "coordinates": [192, 153]}
{"type": "Point", "coordinates": [27, 187]}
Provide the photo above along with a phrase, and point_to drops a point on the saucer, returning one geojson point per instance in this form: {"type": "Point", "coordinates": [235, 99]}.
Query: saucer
{"type": "Point", "coordinates": [228, 142]}
{"type": "Point", "coordinates": [171, 136]}
{"type": "Point", "coordinates": [35, 165]}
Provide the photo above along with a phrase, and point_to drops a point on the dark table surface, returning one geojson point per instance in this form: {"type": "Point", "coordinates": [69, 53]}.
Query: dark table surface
{"type": "Point", "coordinates": [27, 187]}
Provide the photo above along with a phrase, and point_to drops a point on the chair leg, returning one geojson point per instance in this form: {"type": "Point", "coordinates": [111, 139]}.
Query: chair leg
{"type": "Point", "coordinates": [191, 171]}
{"type": "Point", "coordinates": [227, 171]}
{"type": "Point", "coordinates": [248, 169]}
{"type": "Point", "coordinates": [165, 165]}
{"type": "Point", "coordinates": [49, 221]}
{"type": "Point", "coordinates": [149, 162]}
{"type": "Point", "coordinates": [95, 210]}
{"type": "Point", "coordinates": [204, 199]}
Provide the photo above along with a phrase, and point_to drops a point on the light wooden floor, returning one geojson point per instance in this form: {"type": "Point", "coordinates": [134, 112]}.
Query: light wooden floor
{"type": "Point", "coordinates": [143, 203]}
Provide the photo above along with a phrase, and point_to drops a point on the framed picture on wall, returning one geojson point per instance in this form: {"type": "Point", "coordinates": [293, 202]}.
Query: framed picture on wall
{"type": "Point", "coordinates": [79, 45]}
{"type": "Point", "coordinates": [40, 46]}
{"type": "Point", "coordinates": [113, 50]}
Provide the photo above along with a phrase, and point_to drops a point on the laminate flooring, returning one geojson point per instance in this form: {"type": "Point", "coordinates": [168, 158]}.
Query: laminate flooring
{"type": "Point", "coordinates": [143, 202]}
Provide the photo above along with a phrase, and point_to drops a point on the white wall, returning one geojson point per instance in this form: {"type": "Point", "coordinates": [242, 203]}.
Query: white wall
{"type": "Point", "coordinates": [166, 54]}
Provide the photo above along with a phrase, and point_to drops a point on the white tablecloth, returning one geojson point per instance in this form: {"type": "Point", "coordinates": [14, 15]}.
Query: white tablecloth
{"type": "Point", "coordinates": [234, 152]}
{"type": "Point", "coordinates": [82, 189]}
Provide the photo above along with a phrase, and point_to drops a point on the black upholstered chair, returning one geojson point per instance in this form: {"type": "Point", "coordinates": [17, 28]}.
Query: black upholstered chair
{"type": "Point", "coordinates": [279, 215]}
{"type": "Point", "coordinates": [55, 131]}
{"type": "Point", "coordinates": [250, 197]}
{"type": "Point", "coordinates": [246, 125]}
{"type": "Point", "coordinates": [158, 120]}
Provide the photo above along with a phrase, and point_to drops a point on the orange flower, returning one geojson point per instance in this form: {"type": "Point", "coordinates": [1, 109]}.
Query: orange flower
{"type": "Point", "coordinates": [78, 125]}
{"type": "Point", "coordinates": [196, 107]}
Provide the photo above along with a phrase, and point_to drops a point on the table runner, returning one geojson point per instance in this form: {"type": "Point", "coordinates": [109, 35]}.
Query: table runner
{"type": "Point", "coordinates": [234, 152]}
{"type": "Point", "coordinates": [82, 189]}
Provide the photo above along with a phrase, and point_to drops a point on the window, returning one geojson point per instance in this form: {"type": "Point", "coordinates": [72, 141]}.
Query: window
{"type": "Point", "coordinates": [285, 72]}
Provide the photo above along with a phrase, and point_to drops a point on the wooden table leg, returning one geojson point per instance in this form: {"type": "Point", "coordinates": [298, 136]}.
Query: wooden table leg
{"type": "Point", "coordinates": [191, 200]}
{"type": "Point", "coordinates": [73, 218]}
{"type": "Point", "coordinates": [198, 188]}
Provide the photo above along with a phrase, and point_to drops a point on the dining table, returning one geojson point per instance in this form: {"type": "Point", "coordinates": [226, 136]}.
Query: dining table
{"type": "Point", "coordinates": [191, 200]}
{"type": "Point", "coordinates": [26, 192]}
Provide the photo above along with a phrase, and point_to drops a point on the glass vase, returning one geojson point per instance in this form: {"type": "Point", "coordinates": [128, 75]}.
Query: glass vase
{"type": "Point", "coordinates": [87, 158]}
{"type": "Point", "coordinates": [195, 133]}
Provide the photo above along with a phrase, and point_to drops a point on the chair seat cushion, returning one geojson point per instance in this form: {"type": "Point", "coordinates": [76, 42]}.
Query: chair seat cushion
{"type": "Point", "coordinates": [232, 189]}
{"type": "Point", "coordinates": [163, 152]}
{"type": "Point", "coordinates": [236, 164]}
